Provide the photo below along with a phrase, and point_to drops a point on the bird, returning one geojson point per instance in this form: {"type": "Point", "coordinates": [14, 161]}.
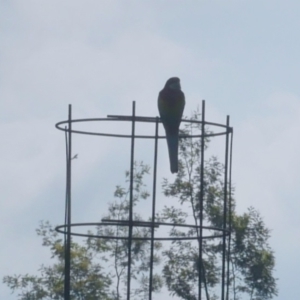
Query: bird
{"type": "Point", "coordinates": [171, 102]}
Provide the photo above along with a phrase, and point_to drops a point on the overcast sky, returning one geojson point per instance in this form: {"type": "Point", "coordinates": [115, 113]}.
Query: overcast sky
{"type": "Point", "coordinates": [242, 57]}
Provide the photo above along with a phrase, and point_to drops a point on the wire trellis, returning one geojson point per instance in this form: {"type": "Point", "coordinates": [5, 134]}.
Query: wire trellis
{"type": "Point", "coordinates": [69, 228]}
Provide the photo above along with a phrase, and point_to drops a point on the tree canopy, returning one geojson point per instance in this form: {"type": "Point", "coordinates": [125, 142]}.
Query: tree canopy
{"type": "Point", "coordinates": [99, 266]}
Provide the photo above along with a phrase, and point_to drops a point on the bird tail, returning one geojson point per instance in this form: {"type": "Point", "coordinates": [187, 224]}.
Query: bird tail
{"type": "Point", "coordinates": [172, 140]}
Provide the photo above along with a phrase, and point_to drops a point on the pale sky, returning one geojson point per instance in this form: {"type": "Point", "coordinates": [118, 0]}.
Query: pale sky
{"type": "Point", "coordinates": [242, 57]}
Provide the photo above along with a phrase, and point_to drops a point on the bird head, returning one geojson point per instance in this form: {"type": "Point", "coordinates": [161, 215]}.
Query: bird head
{"type": "Point", "coordinates": [173, 83]}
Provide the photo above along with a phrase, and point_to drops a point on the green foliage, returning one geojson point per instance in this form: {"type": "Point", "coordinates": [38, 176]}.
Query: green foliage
{"type": "Point", "coordinates": [106, 279]}
{"type": "Point", "coordinates": [118, 248]}
{"type": "Point", "coordinates": [252, 260]}
{"type": "Point", "coordinates": [99, 266]}
{"type": "Point", "coordinates": [181, 269]}
{"type": "Point", "coordinates": [88, 281]}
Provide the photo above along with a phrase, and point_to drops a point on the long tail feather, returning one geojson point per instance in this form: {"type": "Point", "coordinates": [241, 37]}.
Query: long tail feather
{"type": "Point", "coordinates": [172, 140]}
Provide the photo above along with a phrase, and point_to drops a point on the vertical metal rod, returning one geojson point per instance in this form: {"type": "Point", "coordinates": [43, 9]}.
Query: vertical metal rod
{"type": "Point", "coordinates": [68, 213]}
{"type": "Point", "coordinates": [131, 201]}
{"type": "Point", "coordinates": [153, 209]}
{"type": "Point", "coordinates": [229, 217]}
{"type": "Point", "coordinates": [67, 186]}
{"type": "Point", "coordinates": [201, 202]}
{"type": "Point", "coordinates": [225, 209]}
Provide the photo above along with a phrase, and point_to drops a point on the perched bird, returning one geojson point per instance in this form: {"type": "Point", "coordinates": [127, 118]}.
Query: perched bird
{"type": "Point", "coordinates": [170, 106]}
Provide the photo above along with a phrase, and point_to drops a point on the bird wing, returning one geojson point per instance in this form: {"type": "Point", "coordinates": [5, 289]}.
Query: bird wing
{"type": "Point", "coordinates": [170, 106]}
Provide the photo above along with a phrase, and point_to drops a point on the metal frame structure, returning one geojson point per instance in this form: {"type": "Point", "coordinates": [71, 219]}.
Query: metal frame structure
{"type": "Point", "coordinates": [223, 233]}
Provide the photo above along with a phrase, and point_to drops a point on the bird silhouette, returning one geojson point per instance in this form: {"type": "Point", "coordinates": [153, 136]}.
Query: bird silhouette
{"type": "Point", "coordinates": [171, 102]}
